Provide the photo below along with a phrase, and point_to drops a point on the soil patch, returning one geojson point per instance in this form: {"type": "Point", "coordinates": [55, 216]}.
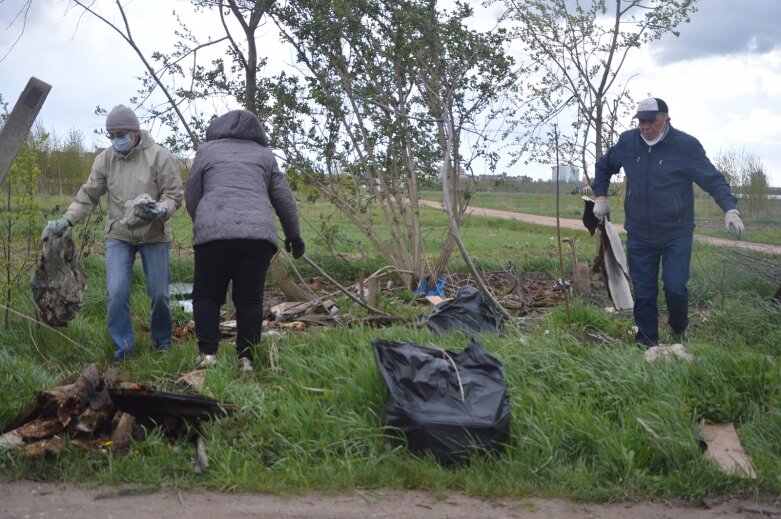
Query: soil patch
{"type": "Point", "coordinates": [44, 500]}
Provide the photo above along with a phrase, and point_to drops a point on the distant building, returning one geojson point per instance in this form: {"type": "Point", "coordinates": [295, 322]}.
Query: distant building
{"type": "Point", "coordinates": [568, 173]}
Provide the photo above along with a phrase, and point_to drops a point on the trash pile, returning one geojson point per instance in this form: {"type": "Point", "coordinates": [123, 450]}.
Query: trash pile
{"type": "Point", "coordinates": [99, 411]}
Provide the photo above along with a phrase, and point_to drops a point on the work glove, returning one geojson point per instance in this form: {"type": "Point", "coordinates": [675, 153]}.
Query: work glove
{"type": "Point", "coordinates": [732, 223]}
{"type": "Point", "coordinates": [601, 209]}
{"type": "Point", "coordinates": [296, 245]}
{"type": "Point", "coordinates": [57, 227]}
{"type": "Point", "coordinates": [151, 212]}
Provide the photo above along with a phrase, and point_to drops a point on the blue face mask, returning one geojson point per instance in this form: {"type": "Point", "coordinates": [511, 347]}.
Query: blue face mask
{"type": "Point", "coordinates": [122, 144]}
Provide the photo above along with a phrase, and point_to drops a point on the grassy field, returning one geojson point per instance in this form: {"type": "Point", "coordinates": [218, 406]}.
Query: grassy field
{"type": "Point", "coordinates": [591, 419]}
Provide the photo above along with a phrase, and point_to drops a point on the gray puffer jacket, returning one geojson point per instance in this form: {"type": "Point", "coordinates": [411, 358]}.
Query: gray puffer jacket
{"type": "Point", "coordinates": [235, 187]}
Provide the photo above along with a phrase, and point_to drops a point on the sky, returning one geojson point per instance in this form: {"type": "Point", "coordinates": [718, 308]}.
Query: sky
{"type": "Point", "coordinates": [721, 78]}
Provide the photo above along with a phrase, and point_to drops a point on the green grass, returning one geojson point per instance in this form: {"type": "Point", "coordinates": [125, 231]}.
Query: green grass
{"type": "Point", "coordinates": [590, 419]}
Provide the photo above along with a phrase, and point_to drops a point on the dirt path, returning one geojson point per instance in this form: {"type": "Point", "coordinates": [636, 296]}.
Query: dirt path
{"type": "Point", "coordinates": [39, 500]}
{"type": "Point", "coordinates": [568, 223]}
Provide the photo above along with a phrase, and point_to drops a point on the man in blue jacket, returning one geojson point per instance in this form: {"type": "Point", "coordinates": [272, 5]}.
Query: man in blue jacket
{"type": "Point", "coordinates": [661, 165]}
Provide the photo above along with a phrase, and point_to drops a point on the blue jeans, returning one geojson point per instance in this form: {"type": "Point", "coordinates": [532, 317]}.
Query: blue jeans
{"type": "Point", "coordinates": [120, 256]}
{"type": "Point", "coordinates": [644, 256]}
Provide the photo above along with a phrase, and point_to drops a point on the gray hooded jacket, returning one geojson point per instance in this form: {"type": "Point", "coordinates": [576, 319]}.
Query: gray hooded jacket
{"type": "Point", "coordinates": [235, 187]}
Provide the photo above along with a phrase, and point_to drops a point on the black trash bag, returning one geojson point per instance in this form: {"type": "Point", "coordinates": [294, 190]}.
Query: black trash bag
{"type": "Point", "coordinates": [58, 282]}
{"type": "Point", "coordinates": [452, 405]}
{"type": "Point", "coordinates": [467, 312]}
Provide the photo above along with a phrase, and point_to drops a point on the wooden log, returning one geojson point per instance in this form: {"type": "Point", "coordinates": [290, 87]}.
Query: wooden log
{"type": "Point", "coordinates": [49, 446]}
{"type": "Point", "coordinates": [373, 289]}
{"type": "Point", "coordinates": [120, 440]}
{"type": "Point", "coordinates": [70, 400]}
{"type": "Point", "coordinates": [40, 428]}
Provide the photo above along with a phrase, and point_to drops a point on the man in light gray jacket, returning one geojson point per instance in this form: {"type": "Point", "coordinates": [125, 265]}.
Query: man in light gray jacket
{"type": "Point", "coordinates": [133, 166]}
{"type": "Point", "coordinates": [234, 194]}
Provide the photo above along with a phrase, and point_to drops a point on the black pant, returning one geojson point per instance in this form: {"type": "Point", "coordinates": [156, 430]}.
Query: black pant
{"type": "Point", "coordinates": [245, 262]}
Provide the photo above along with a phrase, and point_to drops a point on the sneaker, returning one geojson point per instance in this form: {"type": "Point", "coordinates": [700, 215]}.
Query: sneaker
{"type": "Point", "coordinates": [205, 361]}
{"type": "Point", "coordinates": [245, 364]}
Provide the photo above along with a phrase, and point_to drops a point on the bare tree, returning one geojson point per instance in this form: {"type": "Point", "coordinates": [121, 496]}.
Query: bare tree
{"type": "Point", "coordinates": [578, 49]}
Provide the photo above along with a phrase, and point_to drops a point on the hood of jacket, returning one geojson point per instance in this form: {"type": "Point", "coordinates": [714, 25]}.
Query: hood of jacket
{"type": "Point", "coordinates": [237, 124]}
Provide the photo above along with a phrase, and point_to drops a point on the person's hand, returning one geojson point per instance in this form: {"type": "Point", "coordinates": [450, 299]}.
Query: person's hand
{"type": "Point", "coordinates": [57, 227]}
{"type": "Point", "coordinates": [151, 212]}
{"type": "Point", "coordinates": [296, 245]}
{"type": "Point", "coordinates": [732, 223]}
{"type": "Point", "coordinates": [601, 208]}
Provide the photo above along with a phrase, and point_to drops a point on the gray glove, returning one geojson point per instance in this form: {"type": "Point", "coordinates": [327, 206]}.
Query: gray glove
{"type": "Point", "coordinates": [57, 227]}
{"type": "Point", "coordinates": [601, 209]}
{"type": "Point", "coordinates": [151, 212]}
{"type": "Point", "coordinates": [732, 223]}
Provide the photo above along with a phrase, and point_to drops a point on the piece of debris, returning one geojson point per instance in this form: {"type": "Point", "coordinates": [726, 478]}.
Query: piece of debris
{"type": "Point", "coordinates": [200, 460]}
{"type": "Point", "coordinates": [724, 448]}
{"type": "Point", "coordinates": [612, 251]}
{"type": "Point", "coordinates": [581, 279]}
{"type": "Point", "coordinates": [667, 353]}
{"type": "Point", "coordinates": [320, 312]}
{"type": "Point", "coordinates": [182, 296]}
{"type": "Point", "coordinates": [94, 410]}
{"type": "Point", "coordinates": [193, 379]}
{"type": "Point", "coordinates": [135, 208]}
{"type": "Point", "coordinates": [610, 258]}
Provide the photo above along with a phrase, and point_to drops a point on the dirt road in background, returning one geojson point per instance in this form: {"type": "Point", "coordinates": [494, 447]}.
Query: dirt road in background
{"type": "Point", "coordinates": [568, 223]}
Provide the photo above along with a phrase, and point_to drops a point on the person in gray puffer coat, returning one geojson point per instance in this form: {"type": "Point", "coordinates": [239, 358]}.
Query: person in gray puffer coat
{"type": "Point", "coordinates": [234, 193]}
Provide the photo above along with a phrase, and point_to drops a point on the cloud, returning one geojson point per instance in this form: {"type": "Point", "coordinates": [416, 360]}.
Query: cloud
{"type": "Point", "coordinates": [723, 28]}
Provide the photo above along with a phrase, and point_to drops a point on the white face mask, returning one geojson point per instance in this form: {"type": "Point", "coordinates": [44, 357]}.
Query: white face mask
{"type": "Point", "coordinates": [658, 137]}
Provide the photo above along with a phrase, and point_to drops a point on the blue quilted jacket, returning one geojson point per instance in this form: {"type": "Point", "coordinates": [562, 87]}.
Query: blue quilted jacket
{"type": "Point", "coordinates": [660, 182]}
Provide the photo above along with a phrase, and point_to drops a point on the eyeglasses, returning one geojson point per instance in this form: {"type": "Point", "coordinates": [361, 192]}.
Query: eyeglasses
{"type": "Point", "coordinates": [646, 121]}
{"type": "Point", "coordinates": [117, 135]}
